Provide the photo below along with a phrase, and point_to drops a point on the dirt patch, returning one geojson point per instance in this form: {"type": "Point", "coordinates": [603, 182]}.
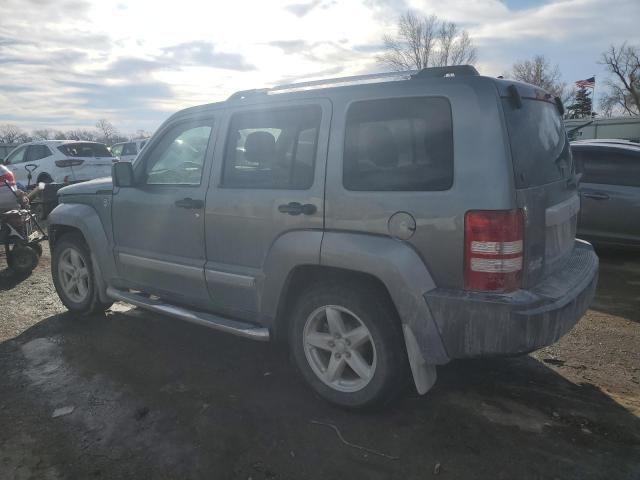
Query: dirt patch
{"type": "Point", "coordinates": [145, 396]}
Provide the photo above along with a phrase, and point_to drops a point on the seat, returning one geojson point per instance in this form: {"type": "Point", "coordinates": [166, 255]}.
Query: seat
{"type": "Point", "coordinates": [260, 148]}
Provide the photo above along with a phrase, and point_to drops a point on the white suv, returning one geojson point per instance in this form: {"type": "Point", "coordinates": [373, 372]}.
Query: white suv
{"type": "Point", "coordinates": [61, 161]}
{"type": "Point", "coordinates": [127, 151]}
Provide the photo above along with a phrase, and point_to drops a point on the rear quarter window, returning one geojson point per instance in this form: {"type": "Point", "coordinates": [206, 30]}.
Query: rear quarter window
{"type": "Point", "coordinates": [399, 144]}
{"type": "Point", "coordinates": [539, 145]}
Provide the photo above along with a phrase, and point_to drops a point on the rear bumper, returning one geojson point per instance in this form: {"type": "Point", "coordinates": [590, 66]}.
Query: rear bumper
{"type": "Point", "coordinates": [475, 324]}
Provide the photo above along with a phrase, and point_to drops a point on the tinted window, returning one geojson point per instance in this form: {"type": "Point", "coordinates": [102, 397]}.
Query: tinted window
{"type": "Point", "coordinates": [399, 144]}
{"type": "Point", "coordinates": [116, 150]}
{"type": "Point", "coordinates": [17, 156]}
{"type": "Point", "coordinates": [178, 159]}
{"type": "Point", "coordinates": [539, 144]}
{"type": "Point", "coordinates": [85, 150]}
{"type": "Point", "coordinates": [610, 166]}
{"type": "Point", "coordinates": [272, 148]}
{"type": "Point", "coordinates": [129, 149]}
{"type": "Point", "coordinates": [36, 152]}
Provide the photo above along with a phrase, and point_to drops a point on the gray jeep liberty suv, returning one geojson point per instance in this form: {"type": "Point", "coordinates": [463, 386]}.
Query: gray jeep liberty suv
{"type": "Point", "coordinates": [375, 223]}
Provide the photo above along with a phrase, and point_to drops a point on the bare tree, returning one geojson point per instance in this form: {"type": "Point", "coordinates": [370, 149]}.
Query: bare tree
{"type": "Point", "coordinates": [43, 134]}
{"type": "Point", "coordinates": [106, 131]}
{"type": "Point", "coordinates": [422, 42]}
{"type": "Point", "coordinates": [539, 72]}
{"type": "Point", "coordinates": [81, 134]}
{"type": "Point", "coordinates": [12, 134]}
{"type": "Point", "coordinates": [624, 88]}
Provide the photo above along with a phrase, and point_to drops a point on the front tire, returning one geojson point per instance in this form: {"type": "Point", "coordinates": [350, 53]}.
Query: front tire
{"type": "Point", "coordinates": [346, 341]}
{"type": "Point", "coordinates": [73, 275]}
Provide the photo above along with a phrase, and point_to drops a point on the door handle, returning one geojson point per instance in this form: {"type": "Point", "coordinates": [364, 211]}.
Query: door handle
{"type": "Point", "coordinates": [295, 208]}
{"type": "Point", "coordinates": [596, 195]}
{"type": "Point", "coordinates": [189, 203]}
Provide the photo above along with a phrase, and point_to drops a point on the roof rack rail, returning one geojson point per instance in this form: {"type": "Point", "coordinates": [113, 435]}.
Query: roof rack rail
{"type": "Point", "coordinates": [355, 79]}
{"type": "Point", "coordinates": [433, 72]}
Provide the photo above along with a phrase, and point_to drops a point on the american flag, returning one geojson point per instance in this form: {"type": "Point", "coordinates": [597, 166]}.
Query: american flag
{"type": "Point", "coordinates": [588, 83]}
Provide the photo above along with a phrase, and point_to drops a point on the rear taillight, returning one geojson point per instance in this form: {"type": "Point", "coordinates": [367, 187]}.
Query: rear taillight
{"type": "Point", "coordinates": [9, 178]}
{"type": "Point", "coordinates": [493, 250]}
{"type": "Point", "coordinates": [69, 162]}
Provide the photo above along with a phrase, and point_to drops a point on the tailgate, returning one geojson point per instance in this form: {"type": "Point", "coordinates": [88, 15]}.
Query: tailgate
{"type": "Point", "coordinates": [550, 229]}
{"type": "Point", "coordinates": [544, 178]}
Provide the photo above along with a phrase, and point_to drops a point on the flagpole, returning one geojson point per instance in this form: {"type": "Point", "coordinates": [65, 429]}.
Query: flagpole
{"type": "Point", "coordinates": [593, 96]}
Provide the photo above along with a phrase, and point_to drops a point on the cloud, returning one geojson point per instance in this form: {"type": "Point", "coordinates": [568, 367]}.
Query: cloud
{"type": "Point", "coordinates": [302, 9]}
{"type": "Point", "coordinates": [131, 66]}
{"type": "Point", "coordinates": [73, 61]}
{"type": "Point", "coordinates": [121, 97]}
{"type": "Point", "coordinates": [290, 46]}
{"type": "Point", "coordinates": [201, 53]}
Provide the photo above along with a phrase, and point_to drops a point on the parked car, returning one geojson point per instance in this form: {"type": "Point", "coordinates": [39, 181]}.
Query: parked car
{"type": "Point", "coordinates": [609, 192]}
{"type": "Point", "coordinates": [372, 222]}
{"type": "Point", "coordinates": [127, 151]}
{"type": "Point", "coordinates": [60, 161]}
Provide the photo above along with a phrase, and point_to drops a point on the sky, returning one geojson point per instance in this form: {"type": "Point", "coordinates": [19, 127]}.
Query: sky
{"type": "Point", "coordinates": [67, 63]}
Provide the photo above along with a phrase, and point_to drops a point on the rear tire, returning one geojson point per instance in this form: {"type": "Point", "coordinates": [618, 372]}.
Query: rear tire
{"type": "Point", "coordinates": [22, 259]}
{"type": "Point", "coordinates": [73, 275]}
{"type": "Point", "coordinates": [347, 343]}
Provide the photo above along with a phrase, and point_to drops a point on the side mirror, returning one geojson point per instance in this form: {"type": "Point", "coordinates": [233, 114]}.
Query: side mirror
{"type": "Point", "coordinates": [122, 174]}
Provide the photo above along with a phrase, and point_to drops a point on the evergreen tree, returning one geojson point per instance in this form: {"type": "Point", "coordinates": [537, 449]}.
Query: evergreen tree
{"type": "Point", "coordinates": [581, 106]}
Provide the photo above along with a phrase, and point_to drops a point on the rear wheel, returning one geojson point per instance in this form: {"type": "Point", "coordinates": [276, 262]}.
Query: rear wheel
{"type": "Point", "coordinates": [347, 343]}
{"type": "Point", "coordinates": [73, 275]}
{"type": "Point", "coordinates": [22, 259]}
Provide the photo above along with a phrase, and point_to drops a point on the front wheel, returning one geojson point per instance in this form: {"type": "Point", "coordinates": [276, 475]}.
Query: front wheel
{"type": "Point", "coordinates": [73, 276]}
{"type": "Point", "coordinates": [347, 343]}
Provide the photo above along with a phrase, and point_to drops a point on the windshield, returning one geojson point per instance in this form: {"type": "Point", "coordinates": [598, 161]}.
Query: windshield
{"type": "Point", "coordinates": [85, 150]}
{"type": "Point", "coordinates": [539, 144]}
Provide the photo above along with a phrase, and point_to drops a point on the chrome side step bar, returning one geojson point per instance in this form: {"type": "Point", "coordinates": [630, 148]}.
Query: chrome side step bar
{"type": "Point", "coordinates": [235, 327]}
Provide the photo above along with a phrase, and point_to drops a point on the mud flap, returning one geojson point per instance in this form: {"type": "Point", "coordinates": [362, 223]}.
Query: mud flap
{"type": "Point", "coordinates": [424, 375]}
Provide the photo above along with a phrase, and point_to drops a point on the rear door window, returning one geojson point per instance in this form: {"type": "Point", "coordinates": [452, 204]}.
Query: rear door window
{"type": "Point", "coordinates": [608, 166]}
{"type": "Point", "coordinates": [539, 145]}
{"type": "Point", "coordinates": [398, 144]}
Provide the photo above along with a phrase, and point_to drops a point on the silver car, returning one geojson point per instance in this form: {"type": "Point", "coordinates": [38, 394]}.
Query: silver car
{"type": "Point", "coordinates": [376, 224]}
{"type": "Point", "coordinates": [610, 191]}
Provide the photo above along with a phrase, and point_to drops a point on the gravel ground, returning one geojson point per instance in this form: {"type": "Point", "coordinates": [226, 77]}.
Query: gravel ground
{"type": "Point", "coordinates": [130, 394]}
